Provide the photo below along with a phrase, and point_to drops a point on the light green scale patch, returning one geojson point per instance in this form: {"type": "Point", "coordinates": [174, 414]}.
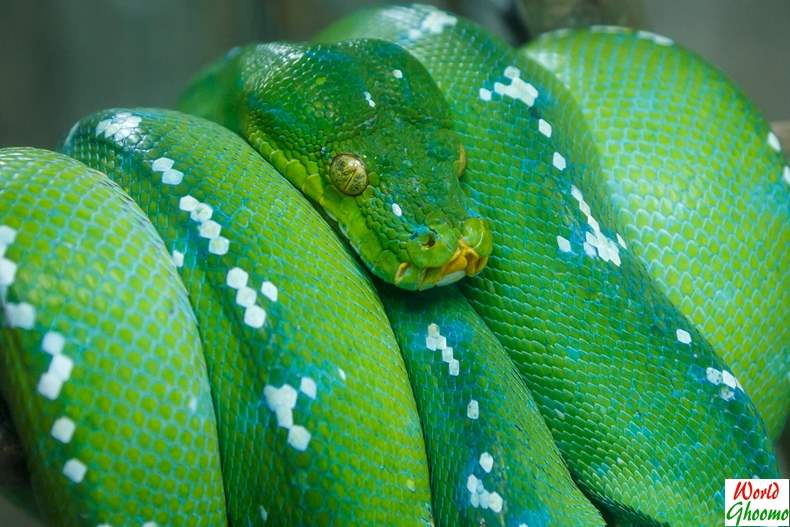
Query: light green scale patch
{"type": "Point", "coordinates": [343, 452]}
{"type": "Point", "coordinates": [631, 408]}
{"type": "Point", "coordinates": [492, 458]}
{"type": "Point", "coordinates": [101, 354]}
{"type": "Point", "coordinates": [697, 185]}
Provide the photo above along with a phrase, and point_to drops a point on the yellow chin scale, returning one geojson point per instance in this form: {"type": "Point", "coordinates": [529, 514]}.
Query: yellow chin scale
{"type": "Point", "coordinates": [465, 262]}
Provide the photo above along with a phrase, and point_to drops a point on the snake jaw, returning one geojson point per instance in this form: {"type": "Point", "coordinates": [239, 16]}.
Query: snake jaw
{"type": "Point", "coordinates": [465, 262]}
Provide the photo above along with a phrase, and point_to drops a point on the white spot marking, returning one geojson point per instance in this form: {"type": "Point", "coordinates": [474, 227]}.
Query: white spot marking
{"type": "Point", "coordinates": [480, 497]}
{"type": "Point", "coordinates": [563, 244]}
{"type": "Point", "coordinates": [61, 367]}
{"type": "Point", "coordinates": [369, 98]}
{"type": "Point", "coordinates": [7, 272]}
{"type": "Point", "coordinates": [264, 514]}
{"type": "Point", "coordinates": [729, 379]}
{"type": "Point", "coordinates": [193, 404]}
{"type": "Point", "coordinates": [188, 203]}
{"type": "Point", "coordinates": [486, 461]}
{"type": "Point", "coordinates": [517, 89]}
{"type": "Point", "coordinates": [172, 177]}
{"type": "Point", "coordinates": [209, 229]}
{"type": "Point", "coordinates": [621, 241]}
{"type": "Point", "coordinates": [285, 417]}
{"type": "Point", "coordinates": [162, 164]}
{"type": "Point", "coordinates": [219, 245]}
{"type": "Point", "coordinates": [544, 127]}
{"type": "Point", "coordinates": [308, 387]}
{"type": "Point", "coordinates": [178, 258]}
{"type": "Point", "coordinates": [432, 342]}
{"type": "Point", "coordinates": [485, 94]}
{"type": "Point", "coordinates": [396, 210]}
{"type": "Point", "coordinates": [63, 429]}
{"type": "Point", "coordinates": [237, 278]}
{"type": "Point", "coordinates": [773, 142]}
{"type": "Point", "coordinates": [75, 470]}
{"type": "Point", "coordinates": [245, 296]}
{"type": "Point", "coordinates": [298, 437]}
{"type": "Point", "coordinates": [786, 175]}
{"type": "Point", "coordinates": [202, 212]}
{"type": "Point", "coordinates": [254, 316]}
{"type": "Point", "coordinates": [341, 373]}
{"type": "Point", "coordinates": [495, 502]}
{"type": "Point", "coordinates": [437, 21]}
{"type": "Point", "coordinates": [269, 290]}
{"type": "Point", "coordinates": [447, 354]}
{"type": "Point", "coordinates": [683, 336]}
{"type": "Point", "coordinates": [713, 375]}
{"type": "Point", "coordinates": [471, 483]}
{"type": "Point", "coordinates": [285, 396]}
{"type": "Point", "coordinates": [558, 161]}
{"type": "Point", "coordinates": [511, 72]}
{"type": "Point", "coordinates": [596, 243]}
{"type": "Point", "coordinates": [7, 235]}
{"type": "Point", "coordinates": [473, 409]}
{"type": "Point", "coordinates": [398, 74]}
{"type": "Point", "coordinates": [53, 343]}
{"type": "Point", "coordinates": [455, 367]}
{"type": "Point", "coordinates": [22, 315]}
{"type": "Point", "coordinates": [49, 386]}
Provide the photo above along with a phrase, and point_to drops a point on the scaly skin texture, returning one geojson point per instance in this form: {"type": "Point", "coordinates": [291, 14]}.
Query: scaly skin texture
{"type": "Point", "coordinates": [420, 173]}
{"type": "Point", "coordinates": [648, 418]}
{"type": "Point", "coordinates": [492, 458]}
{"type": "Point", "coordinates": [643, 415]}
{"type": "Point", "coordinates": [363, 462]}
{"type": "Point", "coordinates": [702, 196]}
{"type": "Point", "coordinates": [301, 107]}
{"type": "Point", "coordinates": [100, 394]}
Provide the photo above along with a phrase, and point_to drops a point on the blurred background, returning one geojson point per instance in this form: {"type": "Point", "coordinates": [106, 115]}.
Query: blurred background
{"type": "Point", "coordinates": [62, 60]}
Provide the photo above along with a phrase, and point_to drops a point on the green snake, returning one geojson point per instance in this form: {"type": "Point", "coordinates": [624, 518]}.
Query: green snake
{"type": "Point", "coordinates": [597, 225]}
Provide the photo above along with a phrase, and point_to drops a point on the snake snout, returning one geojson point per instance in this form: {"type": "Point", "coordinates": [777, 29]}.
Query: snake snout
{"type": "Point", "coordinates": [440, 257]}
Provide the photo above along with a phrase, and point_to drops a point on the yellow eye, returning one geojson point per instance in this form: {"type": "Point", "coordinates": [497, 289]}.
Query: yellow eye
{"type": "Point", "coordinates": [460, 163]}
{"type": "Point", "coordinates": [348, 174]}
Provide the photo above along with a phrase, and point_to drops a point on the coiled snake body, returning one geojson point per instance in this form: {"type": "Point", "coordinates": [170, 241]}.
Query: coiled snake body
{"type": "Point", "coordinates": [188, 342]}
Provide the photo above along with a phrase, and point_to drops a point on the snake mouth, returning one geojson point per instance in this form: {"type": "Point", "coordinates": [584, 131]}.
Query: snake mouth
{"type": "Point", "coordinates": [465, 262]}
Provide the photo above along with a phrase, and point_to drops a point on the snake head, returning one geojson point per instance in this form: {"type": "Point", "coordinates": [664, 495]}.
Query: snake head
{"type": "Point", "coordinates": [363, 130]}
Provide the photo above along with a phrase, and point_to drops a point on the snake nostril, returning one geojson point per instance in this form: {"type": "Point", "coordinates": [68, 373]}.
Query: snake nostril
{"type": "Point", "coordinates": [430, 241]}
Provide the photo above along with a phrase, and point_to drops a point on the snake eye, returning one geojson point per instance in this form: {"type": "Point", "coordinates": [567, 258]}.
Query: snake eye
{"type": "Point", "coordinates": [348, 174]}
{"type": "Point", "coordinates": [460, 163]}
